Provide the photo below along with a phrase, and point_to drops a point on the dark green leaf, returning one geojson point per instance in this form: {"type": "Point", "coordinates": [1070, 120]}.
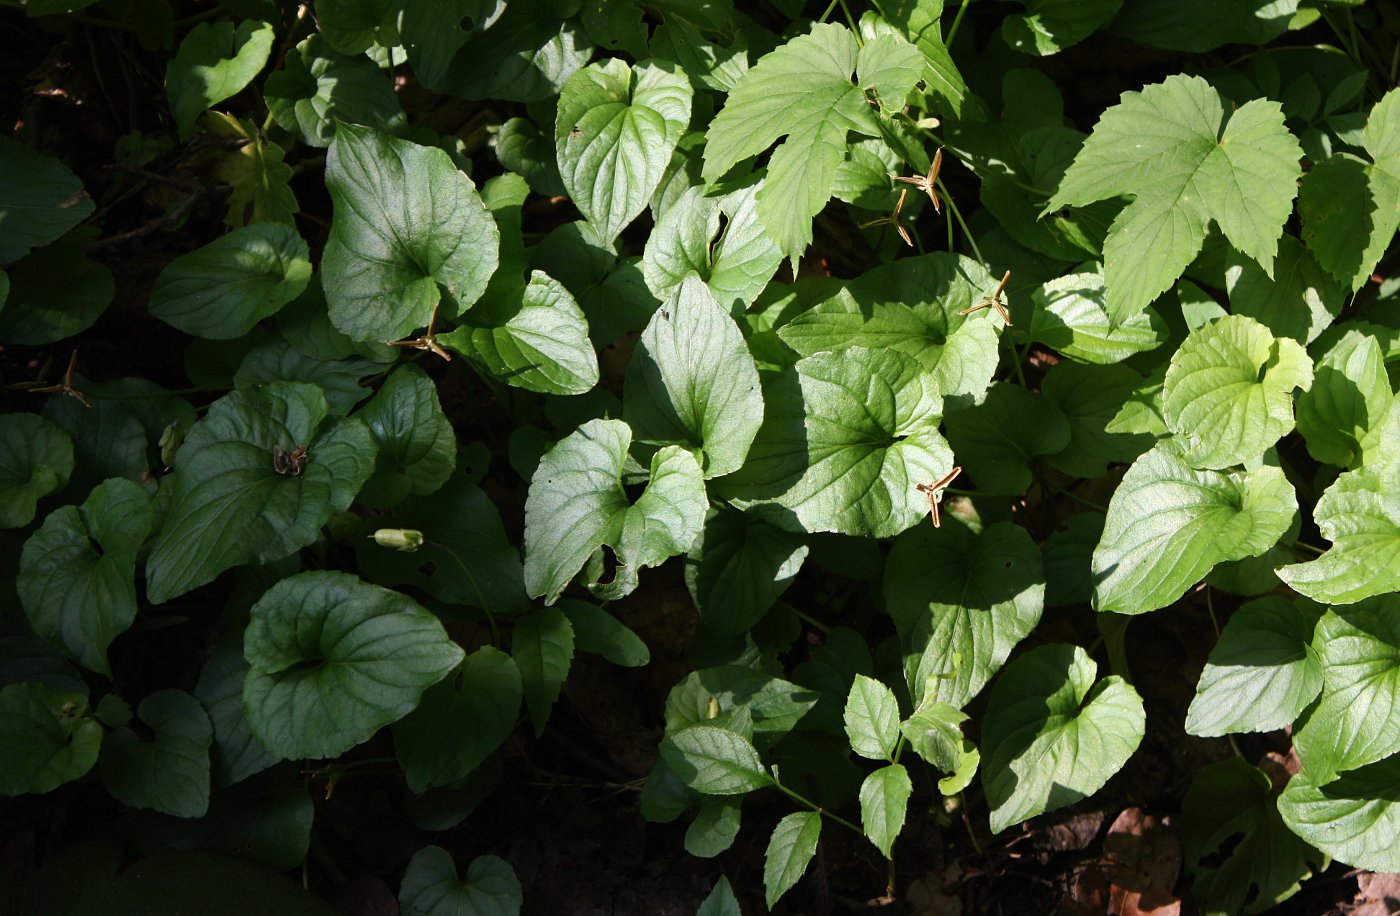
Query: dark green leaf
{"type": "Point", "coordinates": [431, 888]}
{"type": "Point", "coordinates": [36, 458]}
{"type": "Point", "coordinates": [168, 772]}
{"type": "Point", "coordinates": [416, 450]}
{"type": "Point", "coordinates": [46, 738]}
{"type": "Point", "coordinates": [318, 87]}
{"type": "Point", "coordinates": [50, 197]}
{"type": "Point", "coordinates": [542, 644]}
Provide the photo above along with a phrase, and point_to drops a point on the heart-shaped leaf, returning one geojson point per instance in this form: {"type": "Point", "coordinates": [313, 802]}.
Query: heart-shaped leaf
{"type": "Point", "coordinates": [47, 738]}
{"type": "Point", "coordinates": [235, 754]}
{"type": "Point", "coordinates": [1360, 515]}
{"type": "Point", "coordinates": [51, 198]}
{"type": "Point", "coordinates": [318, 87]}
{"type": "Point", "coordinates": [740, 565]}
{"type": "Point", "coordinates": [214, 62]}
{"type": "Point", "coordinates": [997, 440]}
{"type": "Point", "coordinates": [36, 458]}
{"type": "Point", "coordinates": [416, 448]}
{"type": "Point", "coordinates": [333, 659]}
{"type": "Point", "coordinates": [1069, 313]}
{"type": "Point", "coordinates": [431, 888]}
{"type": "Point", "coordinates": [168, 772]}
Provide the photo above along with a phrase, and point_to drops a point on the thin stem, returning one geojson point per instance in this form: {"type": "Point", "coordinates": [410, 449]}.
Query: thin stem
{"type": "Point", "coordinates": [490, 617]}
{"type": "Point", "coordinates": [957, 214]}
{"type": "Point", "coordinates": [817, 808]}
{"type": "Point", "coordinates": [812, 621]}
{"type": "Point", "coordinates": [827, 12]}
{"type": "Point", "coordinates": [1016, 367]}
{"type": "Point", "coordinates": [1310, 548]}
{"type": "Point", "coordinates": [851, 21]}
{"type": "Point", "coordinates": [957, 21]}
{"type": "Point", "coordinates": [1079, 499]}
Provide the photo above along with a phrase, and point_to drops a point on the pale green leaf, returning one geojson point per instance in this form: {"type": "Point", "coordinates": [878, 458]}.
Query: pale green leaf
{"type": "Point", "coordinates": [691, 382]}
{"type": "Point", "coordinates": [1262, 673]}
{"type": "Point", "coordinates": [230, 502]}
{"type": "Point", "coordinates": [714, 760]}
{"type": "Point", "coordinates": [872, 718]}
{"type": "Point", "coordinates": [914, 306]}
{"type": "Point", "coordinates": [1169, 523]}
{"type": "Point", "coordinates": [406, 223]}
{"type": "Point", "coordinates": [1360, 515]}
{"type": "Point", "coordinates": [738, 567]}
{"type": "Point", "coordinates": [577, 504]}
{"type": "Point", "coordinates": [1173, 149]}
{"type": "Point", "coordinates": [1053, 735]}
{"type": "Point", "coordinates": [803, 92]}
{"type": "Point", "coordinates": [1347, 407]}
{"type": "Point", "coordinates": [214, 62]}
{"type": "Point", "coordinates": [845, 438]}
{"type": "Point", "coordinates": [615, 131]}
{"type": "Point", "coordinates": [46, 738]}
{"type": "Point", "coordinates": [36, 459]}
{"type": "Point", "coordinates": [961, 601]}
{"type": "Point", "coordinates": [40, 200]}
{"type": "Point", "coordinates": [715, 826]}
{"type": "Point", "coordinates": [431, 887]}
{"type": "Point", "coordinates": [721, 901]}
{"type": "Point", "coordinates": [1069, 313]}
{"type": "Point", "coordinates": [333, 659]}
{"type": "Point", "coordinates": [224, 288]}
{"type": "Point", "coordinates": [934, 731]}
{"type": "Point", "coordinates": [773, 706]}
{"type": "Point", "coordinates": [416, 447]}
{"type": "Point", "coordinates": [1354, 818]}
{"type": "Point", "coordinates": [77, 573]}
{"type": "Point", "coordinates": [919, 21]}
{"type": "Point", "coordinates": [736, 266]}
{"type": "Point", "coordinates": [460, 722]}
{"type": "Point", "coordinates": [790, 849]}
{"type": "Point", "coordinates": [318, 87]}
{"type": "Point", "coordinates": [1238, 850]}
{"type": "Point", "coordinates": [884, 802]}
{"type": "Point", "coordinates": [169, 771]}
{"type": "Point", "coordinates": [1351, 207]}
{"type": "Point", "coordinates": [1228, 393]}
{"type": "Point", "coordinates": [1357, 719]}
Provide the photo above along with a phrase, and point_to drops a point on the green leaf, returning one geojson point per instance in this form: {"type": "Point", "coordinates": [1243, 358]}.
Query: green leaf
{"type": "Point", "coordinates": [355, 26]}
{"type": "Point", "coordinates": [318, 87]}
{"type": "Point", "coordinates": [461, 721]}
{"type": "Point", "coordinates": [872, 718]}
{"type": "Point", "coordinates": [615, 131]}
{"type": "Point", "coordinates": [1343, 415]}
{"type": "Point", "coordinates": [884, 802]}
{"type": "Point", "coordinates": [170, 771]}
{"type": "Point", "coordinates": [773, 706]}
{"type": "Point", "coordinates": [1202, 25]}
{"type": "Point", "coordinates": [1262, 673]}
{"type": "Point", "coordinates": [259, 180]}
{"type": "Point", "coordinates": [1360, 515]}
{"type": "Point", "coordinates": [1354, 722]}
{"type": "Point", "coordinates": [1228, 393]}
{"type": "Point", "coordinates": [215, 61]}
{"type": "Point", "coordinates": [715, 826]}
{"type": "Point", "coordinates": [46, 738]}
{"type": "Point", "coordinates": [721, 901]}
{"type": "Point", "coordinates": [803, 92]}
{"type": "Point", "coordinates": [406, 224]}
{"type": "Point", "coordinates": [961, 601]}
{"type": "Point", "coordinates": [235, 754]}
{"type": "Point", "coordinates": [599, 632]}
{"type": "Point", "coordinates": [1053, 735]}
{"type": "Point", "coordinates": [1354, 818]}
{"type": "Point", "coordinates": [36, 458]}
{"type": "Point", "coordinates": [333, 659]}
{"type": "Point", "coordinates": [542, 644]}
{"type": "Point", "coordinates": [1169, 523]}
{"type": "Point", "coordinates": [790, 849]}
{"type": "Point", "coordinates": [919, 21]}
{"type": "Point", "coordinates": [934, 731]}
{"type": "Point", "coordinates": [692, 382]}
{"type": "Point", "coordinates": [845, 438]}
{"type": "Point", "coordinates": [539, 343]}
{"type": "Point", "coordinates": [997, 440]}
{"type": "Point", "coordinates": [524, 149]}
{"type": "Point", "coordinates": [1070, 314]}
{"type": "Point", "coordinates": [230, 505]}
{"type": "Point", "coordinates": [38, 310]}
{"type": "Point", "coordinates": [466, 557]}
{"type": "Point", "coordinates": [1172, 148]}
{"type": "Point", "coordinates": [735, 268]}
{"type": "Point", "coordinates": [739, 566]}
{"type": "Point", "coordinates": [431, 888]}
{"type": "Point", "coordinates": [40, 200]}
{"type": "Point", "coordinates": [77, 574]}
{"type": "Point", "coordinates": [913, 305]}
{"type": "Point", "coordinates": [224, 288]}
{"type": "Point", "coordinates": [1351, 207]}
{"type": "Point", "coordinates": [1089, 397]}
{"type": "Point", "coordinates": [1299, 300]}
{"type": "Point", "coordinates": [278, 361]}
{"type": "Point", "coordinates": [1239, 852]}
{"type": "Point", "coordinates": [207, 883]}
{"type": "Point", "coordinates": [714, 761]}
{"type": "Point", "coordinates": [416, 449]}
{"type": "Point", "coordinates": [1049, 26]}
{"type": "Point", "coordinates": [1068, 556]}
{"type": "Point", "coordinates": [577, 504]}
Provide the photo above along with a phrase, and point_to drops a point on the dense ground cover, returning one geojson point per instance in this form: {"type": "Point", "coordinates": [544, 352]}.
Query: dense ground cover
{"type": "Point", "coordinates": [675, 457]}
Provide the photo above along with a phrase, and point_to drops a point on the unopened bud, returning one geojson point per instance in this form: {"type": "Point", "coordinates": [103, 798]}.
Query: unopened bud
{"type": "Point", "coordinates": [405, 539]}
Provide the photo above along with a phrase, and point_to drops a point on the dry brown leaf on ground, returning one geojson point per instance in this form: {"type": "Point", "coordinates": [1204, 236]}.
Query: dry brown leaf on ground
{"type": "Point", "coordinates": [1376, 895]}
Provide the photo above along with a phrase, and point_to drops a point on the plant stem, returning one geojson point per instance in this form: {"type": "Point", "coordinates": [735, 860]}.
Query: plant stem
{"type": "Point", "coordinates": [850, 21]}
{"type": "Point", "coordinates": [957, 214]}
{"type": "Point", "coordinates": [827, 12]}
{"type": "Point", "coordinates": [490, 617]}
{"type": "Point", "coordinates": [812, 621]}
{"type": "Point", "coordinates": [817, 808]}
{"type": "Point", "coordinates": [957, 21]}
